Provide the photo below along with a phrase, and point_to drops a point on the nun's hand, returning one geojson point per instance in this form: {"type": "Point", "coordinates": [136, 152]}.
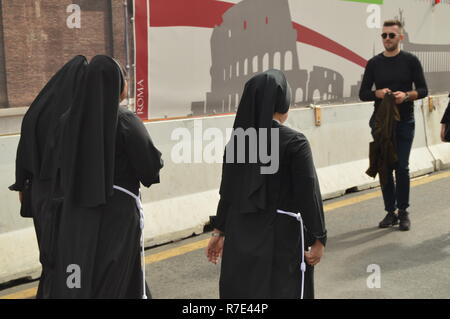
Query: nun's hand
{"type": "Point", "coordinates": [315, 254]}
{"type": "Point", "coordinates": [215, 248]}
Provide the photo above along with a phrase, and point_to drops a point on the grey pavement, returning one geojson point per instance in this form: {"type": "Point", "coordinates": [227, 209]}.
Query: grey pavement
{"type": "Point", "coordinates": [413, 264]}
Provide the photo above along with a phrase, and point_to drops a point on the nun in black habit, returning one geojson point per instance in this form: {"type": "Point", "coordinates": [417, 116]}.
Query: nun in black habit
{"type": "Point", "coordinates": [260, 244]}
{"type": "Point", "coordinates": [102, 146]}
{"type": "Point", "coordinates": [35, 153]}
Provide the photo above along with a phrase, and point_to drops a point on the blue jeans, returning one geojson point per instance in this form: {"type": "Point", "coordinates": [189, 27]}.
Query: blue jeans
{"type": "Point", "coordinates": [396, 194]}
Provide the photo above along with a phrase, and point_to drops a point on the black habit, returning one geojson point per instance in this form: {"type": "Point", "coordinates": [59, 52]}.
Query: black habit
{"type": "Point", "coordinates": [261, 255]}
{"type": "Point", "coordinates": [35, 152]}
{"type": "Point", "coordinates": [97, 227]}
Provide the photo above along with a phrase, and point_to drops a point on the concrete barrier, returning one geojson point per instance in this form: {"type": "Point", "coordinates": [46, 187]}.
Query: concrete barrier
{"type": "Point", "coordinates": [188, 193]}
{"type": "Point", "coordinates": [421, 161]}
{"type": "Point", "coordinates": [180, 205]}
{"type": "Point", "coordinates": [19, 255]}
{"type": "Point", "coordinates": [341, 146]}
{"type": "Point", "coordinates": [11, 120]}
{"type": "Point", "coordinates": [432, 117]}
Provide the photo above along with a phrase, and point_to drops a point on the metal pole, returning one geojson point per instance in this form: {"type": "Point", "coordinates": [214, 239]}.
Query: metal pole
{"type": "Point", "coordinates": [127, 54]}
{"type": "Point", "coordinates": [3, 75]}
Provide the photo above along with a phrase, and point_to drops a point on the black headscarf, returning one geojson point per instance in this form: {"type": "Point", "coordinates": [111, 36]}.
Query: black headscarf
{"type": "Point", "coordinates": [264, 94]}
{"type": "Point", "coordinates": [89, 134]}
{"type": "Point", "coordinates": [35, 150]}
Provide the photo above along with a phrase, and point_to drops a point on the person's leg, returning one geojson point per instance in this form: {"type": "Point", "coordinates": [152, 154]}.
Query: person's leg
{"type": "Point", "coordinates": [405, 137]}
{"type": "Point", "coordinates": [388, 191]}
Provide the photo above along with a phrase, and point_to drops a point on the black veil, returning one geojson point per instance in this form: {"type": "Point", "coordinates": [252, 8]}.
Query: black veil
{"type": "Point", "coordinates": [89, 133]}
{"type": "Point", "coordinates": [264, 94]}
{"type": "Point", "coordinates": [34, 153]}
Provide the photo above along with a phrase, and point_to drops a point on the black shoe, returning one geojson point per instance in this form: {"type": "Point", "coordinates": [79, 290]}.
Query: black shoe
{"type": "Point", "coordinates": [405, 223]}
{"type": "Point", "coordinates": [391, 219]}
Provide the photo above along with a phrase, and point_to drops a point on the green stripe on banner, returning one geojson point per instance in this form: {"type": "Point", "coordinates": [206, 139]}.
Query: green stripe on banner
{"type": "Point", "coordinates": [367, 1]}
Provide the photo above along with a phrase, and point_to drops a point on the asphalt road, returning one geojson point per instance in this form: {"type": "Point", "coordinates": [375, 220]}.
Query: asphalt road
{"type": "Point", "coordinates": [361, 260]}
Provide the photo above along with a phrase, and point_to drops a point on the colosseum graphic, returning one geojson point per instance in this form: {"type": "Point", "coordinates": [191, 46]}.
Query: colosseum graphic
{"type": "Point", "coordinates": [435, 61]}
{"type": "Point", "coordinates": [257, 35]}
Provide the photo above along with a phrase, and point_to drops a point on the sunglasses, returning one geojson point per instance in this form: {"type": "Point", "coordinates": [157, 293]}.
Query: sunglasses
{"type": "Point", "coordinates": [391, 35]}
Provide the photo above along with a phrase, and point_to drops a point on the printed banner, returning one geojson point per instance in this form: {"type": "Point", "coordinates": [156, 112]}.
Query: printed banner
{"type": "Point", "coordinates": [141, 24]}
{"type": "Point", "coordinates": [198, 54]}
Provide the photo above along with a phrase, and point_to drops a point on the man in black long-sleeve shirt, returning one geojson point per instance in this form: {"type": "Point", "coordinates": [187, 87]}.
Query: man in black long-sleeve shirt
{"type": "Point", "coordinates": [396, 71]}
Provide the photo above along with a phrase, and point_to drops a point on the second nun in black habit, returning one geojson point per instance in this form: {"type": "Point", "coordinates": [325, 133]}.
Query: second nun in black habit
{"type": "Point", "coordinates": [260, 248]}
{"type": "Point", "coordinates": [102, 145]}
{"type": "Point", "coordinates": [36, 158]}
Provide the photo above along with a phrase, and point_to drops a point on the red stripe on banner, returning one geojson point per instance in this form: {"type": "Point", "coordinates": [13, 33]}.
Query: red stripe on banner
{"type": "Point", "coordinates": [208, 14]}
{"type": "Point", "coordinates": [193, 13]}
{"type": "Point", "coordinates": [308, 36]}
{"type": "Point", "coordinates": [141, 49]}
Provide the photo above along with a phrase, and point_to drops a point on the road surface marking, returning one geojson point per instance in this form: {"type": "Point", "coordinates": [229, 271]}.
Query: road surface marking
{"type": "Point", "coordinates": [178, 251]}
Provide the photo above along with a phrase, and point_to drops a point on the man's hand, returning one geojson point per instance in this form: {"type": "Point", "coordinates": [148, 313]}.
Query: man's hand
{"type": "Point", "coordinates": [315, 254]}
{"type": "Point", "coordinates": [381, 93]}
{"type": "Point", "coordinates": [399, 97]}
{"type": "Point", "coordinates": [215, 248]}
{"type": "Point", "coordinates": [20, 197]}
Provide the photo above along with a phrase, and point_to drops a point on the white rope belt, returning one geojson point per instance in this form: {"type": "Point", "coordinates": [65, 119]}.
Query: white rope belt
{"type": "Point", "coordinates": [298, 216]}
{"type": "Point", "coordinates": [141, 213]}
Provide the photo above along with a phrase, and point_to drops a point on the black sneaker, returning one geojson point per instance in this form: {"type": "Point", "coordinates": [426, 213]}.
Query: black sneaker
{"type": "Point", "coordinates": [405, 223]}
{"type": "Point", "coordinates": [391, 219]}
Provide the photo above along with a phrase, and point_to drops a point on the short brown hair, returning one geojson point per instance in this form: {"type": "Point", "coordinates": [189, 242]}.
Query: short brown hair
{"type": "Point", "coordinates": [391, 23]}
